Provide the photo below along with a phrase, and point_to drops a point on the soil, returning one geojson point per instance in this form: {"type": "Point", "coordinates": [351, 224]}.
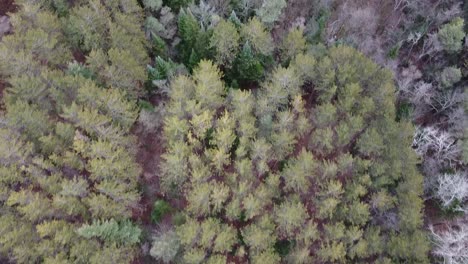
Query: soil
{"type": "Point", "coordinates": [150, 149]}
{"type": "Point", "coordinates": [7, 6]}
{"type": "Point", "coordinates": [2, 88]}
{"type": "Point", "coordinates": [294, 10]}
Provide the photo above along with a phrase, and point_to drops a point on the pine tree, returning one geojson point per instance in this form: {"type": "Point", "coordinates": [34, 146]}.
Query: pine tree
{"type": "Point", "coordinates": [248, 67]}
{"type": "Point", "coordinates": [112, 231]}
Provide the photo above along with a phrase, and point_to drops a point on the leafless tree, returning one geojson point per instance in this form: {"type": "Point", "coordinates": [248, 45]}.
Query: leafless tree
{"type": "Point", "coordinates": [451, 188]}
{"type": "Point", "coordinates": [440, 144]}
{"type": "Point", "coordinates": [445, 100]}
{"type": "Point", "coordinates": [451, 244]}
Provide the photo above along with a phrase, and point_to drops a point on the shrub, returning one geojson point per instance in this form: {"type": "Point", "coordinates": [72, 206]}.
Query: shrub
{"type": "Point", "coordinates": [160, 208]}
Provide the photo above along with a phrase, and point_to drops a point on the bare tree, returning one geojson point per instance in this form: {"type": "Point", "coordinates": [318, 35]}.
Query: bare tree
{"type": "Point", "coordinates": [451, 188]}
{"type": "Point", "coordinates": [440, 144]}
{"type": "Point", "coordinates": [445, 100]}
{"type": "Point", "coordinates": [451, 243]}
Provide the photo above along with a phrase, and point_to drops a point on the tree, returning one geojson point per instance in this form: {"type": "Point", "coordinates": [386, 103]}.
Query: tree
{"type": "Point", "coordinates": [125, 72]}
{"type": "Point", "coordinates": [194, 44]}
{"type": "Point", "coordinates": [297, 173]}
{"type": "Point", "coordinates": [209, 88]}
{"type": "Point", "coordinates": [441, 143]}
{"type": "Point", "coordinates": [260, 235]}
{"type": "Point", "coordinates": [450, 76]}
{"type": "Point", "coordinates": [225, 240]}
{"type": "Point", "coordinates": [270, 10]}
{"type": "Point", "coordinates": [452, 189]}
{"type": "Point", "coordinates": [165, 246]}
{"type": "Point", "coordinates": [225, 40]}
{"type": "Point", "coordinates": [176, 4]}
{"type": "Point", "coordinates": [450, 243]}
{"type": "Point", "coordinates": [451, 35]}
{"type": "Point", "coordinates": [87, 25]}
{"type": "Point", "coordinates": [247, 65]}
{"type": "Point", "coordinates": [293, 44]}
{"type": "Point", "coordinates": [28, 119]}
{"type": "Point", "coordinates": [290, 216]}
{"type": "Point", "coordinates": [334, 251]}
{"type": "Point", "coordinates": [112, 231]}
{"type": "Point", "coordinates": [255, 33]}
{"type": "Point", "coordinates": [243, 161]}
{"type": "Point", "coordinates": [199, 198]}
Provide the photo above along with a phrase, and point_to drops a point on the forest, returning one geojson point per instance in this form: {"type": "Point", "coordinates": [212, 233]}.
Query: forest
{"type": "Point", "coordinates": [233, 131]}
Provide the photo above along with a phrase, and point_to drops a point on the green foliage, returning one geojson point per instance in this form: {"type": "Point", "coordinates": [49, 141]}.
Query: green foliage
{"type": "Point", "coordinates": [293, 44]}
{"type": "Point", "coordinates": [304, 162]}
{"type": "Point", "coordinates": [66, 151]}
{"type": "Point", "coordinates": [267, 185]}
{"type": "Point", "coordinates": [451, 35]}
{"type": "Point", "coordinates": [160, 208]}
{"type": "Point", "coordinates": [176, 4]}
{"type": "Point", "coordinates": [158, 45]}
{"type": "Point", "coordinates": [258, 36]}
{"type": "Point", "coordinates": [195, 41]}
{"type": "Point", "coordinates": [111, 231]}
{"type": "Point", "coordinates": [403, 111]}
{"type": "Point", "coordinates": [29, 119]}
{"type": "Point", "coordinates": [225, 40]}
{"type": "Point", "coordinates": [283, 247]}
{"type": "Point", "coordinates": [394, 51]}
{"type": "Point", "coordinates": [162, 69]}
{"type": "Point", "coordinates": [248, 66]}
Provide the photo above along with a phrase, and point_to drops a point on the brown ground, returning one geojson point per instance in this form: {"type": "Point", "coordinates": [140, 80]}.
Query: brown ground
{"type": "Point", "coordinates": [293, 10]}
{"type": "Point", "coordinates": [7, 6]}
{"type": "Point", "coordinates": [150, 149]}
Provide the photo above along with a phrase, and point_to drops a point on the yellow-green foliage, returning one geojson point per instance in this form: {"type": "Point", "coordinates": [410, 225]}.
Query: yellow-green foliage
{"type": "Point", "coordinates": [275, 168]}
{"type": "Point", "coordinates": [65, 151]}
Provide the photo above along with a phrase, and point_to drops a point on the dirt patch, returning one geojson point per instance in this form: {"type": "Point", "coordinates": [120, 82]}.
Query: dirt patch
{"type": "Point", "coordinates": [294, 11]}
{"type": "Point", "coordinates": [3, 86]}
{"type": "Point", "coordinates": [7, 6]}
{"type": "Point", "coordinates": [150, 149]}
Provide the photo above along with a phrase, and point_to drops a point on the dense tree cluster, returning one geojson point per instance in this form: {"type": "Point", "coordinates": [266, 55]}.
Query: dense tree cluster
{"type": "Point", "coordinates": [66, 155]}
{"type": "Point", "coordinates": [264, 168]}
{"type": "Point", "coordinates": [246, 131]}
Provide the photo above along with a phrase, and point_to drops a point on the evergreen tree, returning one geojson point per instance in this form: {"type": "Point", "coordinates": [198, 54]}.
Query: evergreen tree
{"type": "Point", "coordinates": [248, 66]}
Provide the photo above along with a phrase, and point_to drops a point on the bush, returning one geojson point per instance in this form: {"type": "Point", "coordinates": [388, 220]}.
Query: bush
{"type": "Point", "coordinates": [160, 208]}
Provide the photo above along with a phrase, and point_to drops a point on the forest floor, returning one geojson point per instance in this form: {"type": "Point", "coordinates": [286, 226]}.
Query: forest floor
{"type": "Point", "coordinates": [7, 6]}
